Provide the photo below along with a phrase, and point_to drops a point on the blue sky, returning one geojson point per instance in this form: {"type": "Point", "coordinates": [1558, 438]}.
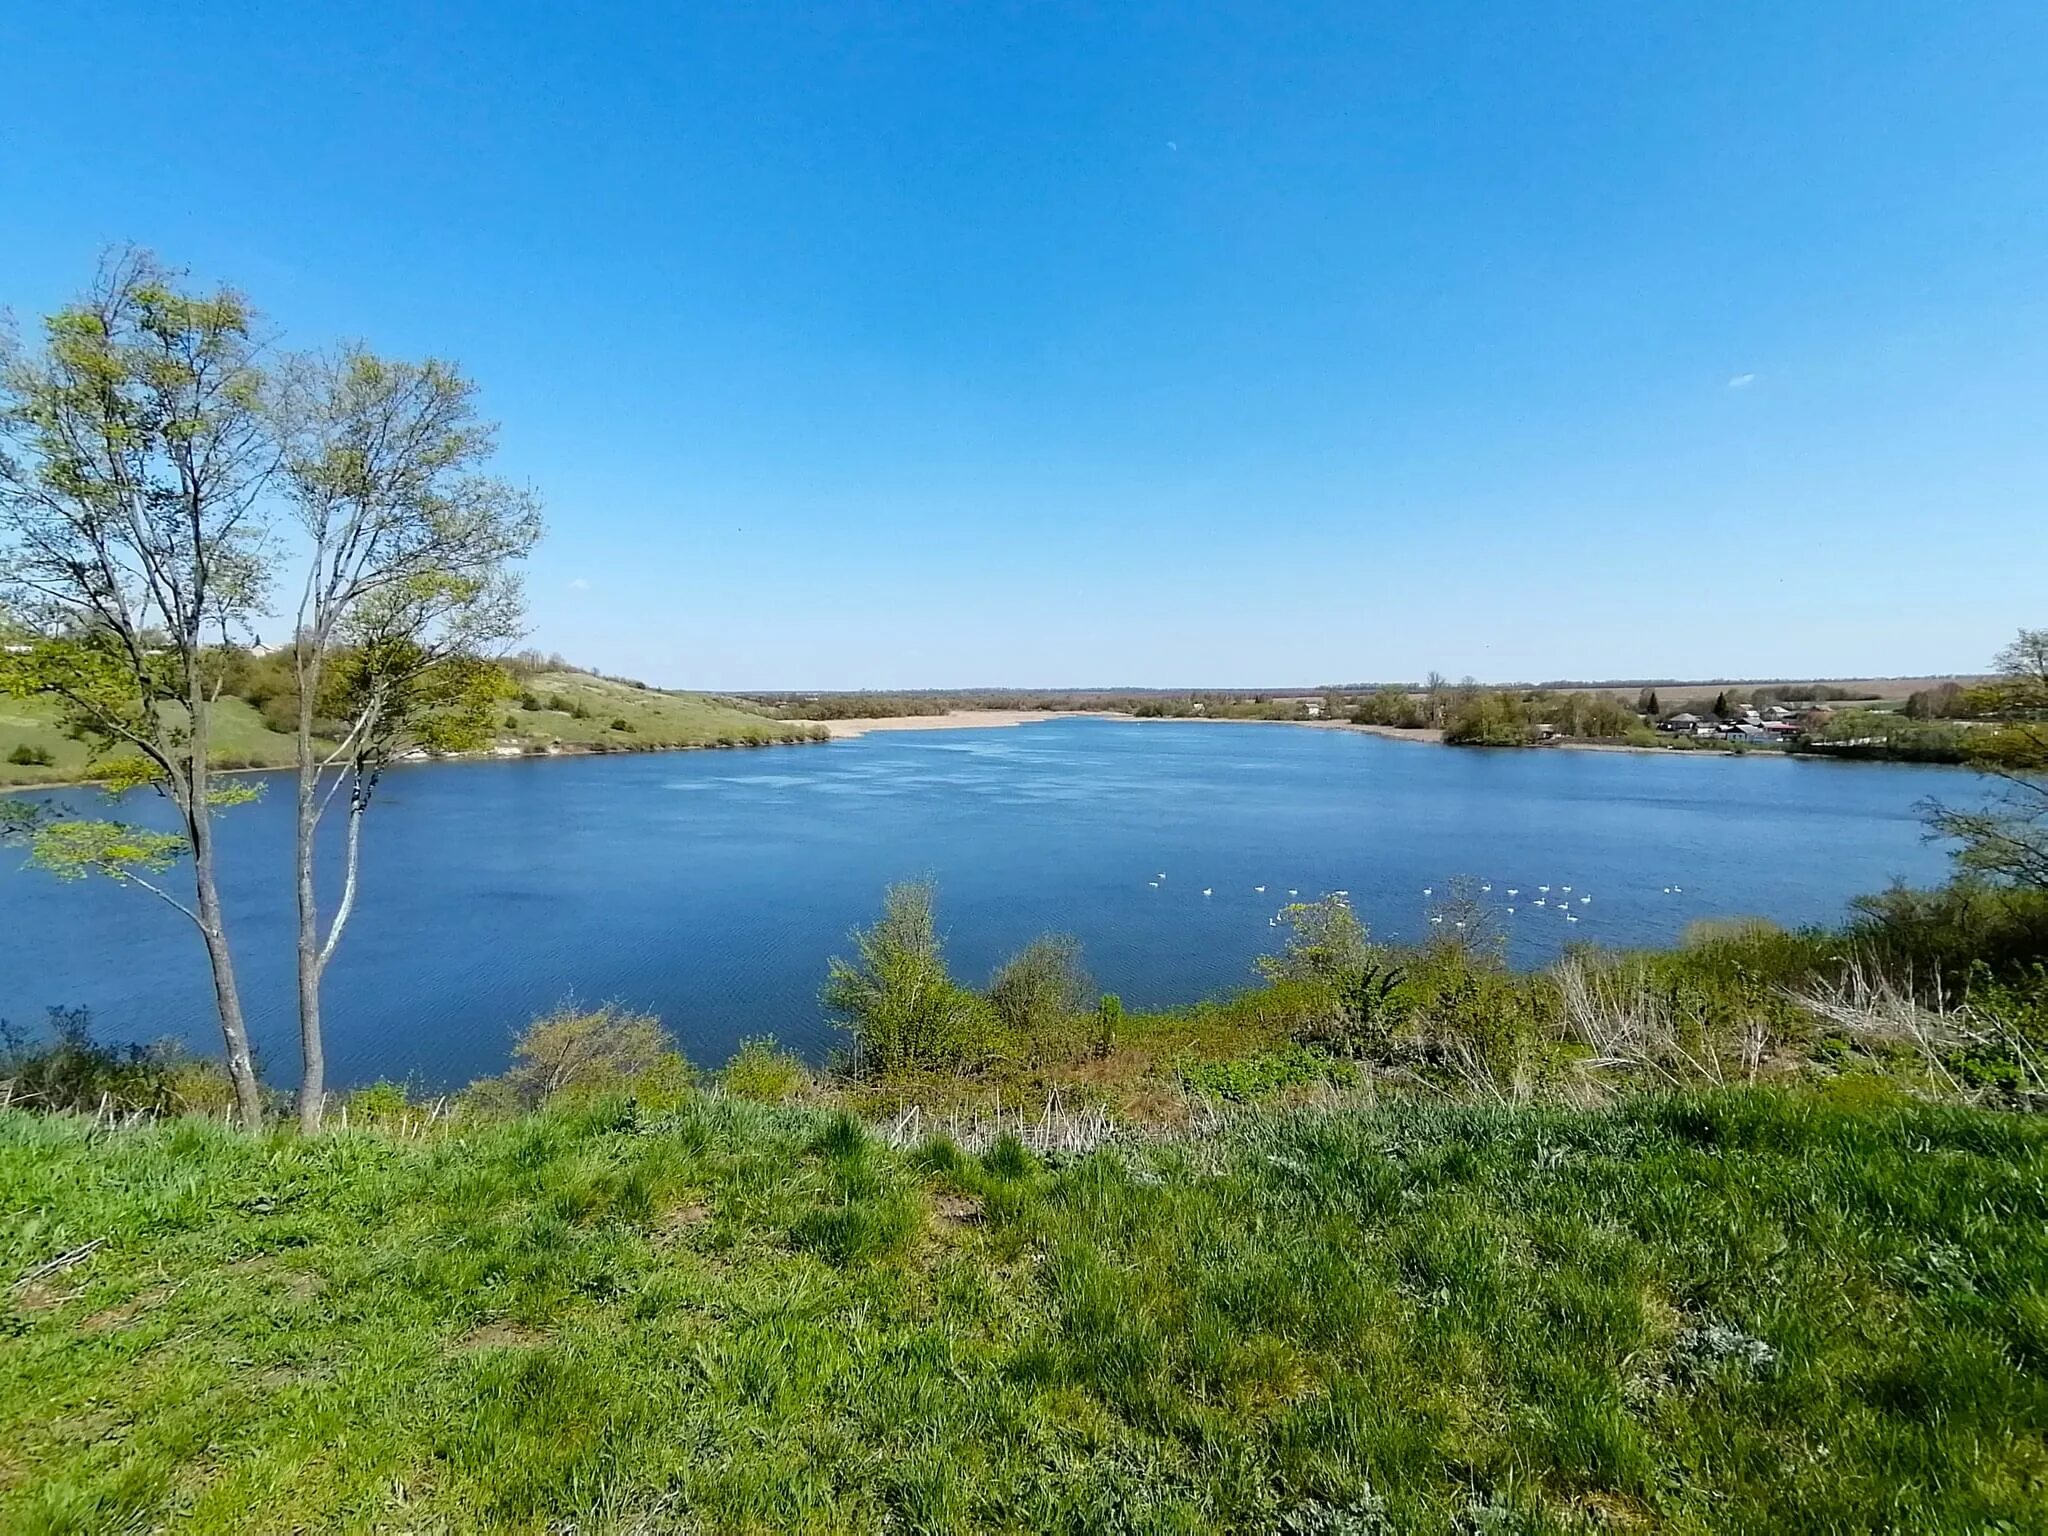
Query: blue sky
{"type": "Point", "coordinates": [915, 344]}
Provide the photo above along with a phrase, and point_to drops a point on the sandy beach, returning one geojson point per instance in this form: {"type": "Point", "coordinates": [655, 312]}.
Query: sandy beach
{"type": "Point", "coordinates": [980, 719]}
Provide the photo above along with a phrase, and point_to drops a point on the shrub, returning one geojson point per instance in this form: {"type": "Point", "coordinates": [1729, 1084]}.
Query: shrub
{"type": "Point", "coordinates": [761, 1071]}
{"type": "Point", "coordinates": [381, 1103]}
{"type": "Point", "coordinates": [1109, 1023]}
{"type": "Point", "coordinates": [71, 1071]}
{"type": "Point", "coordinates": [30, 756]}
{"type": "Point", "coordinates": [621, 723]}
{"type": "Point", "coordinates": [1041, 988]}
{"type": "Point", "coordinates": [896, 997]}
{"type": "Point", "coordinates": [1325, 943]}
{"type": "Point", "coordinates": [599, 1050]}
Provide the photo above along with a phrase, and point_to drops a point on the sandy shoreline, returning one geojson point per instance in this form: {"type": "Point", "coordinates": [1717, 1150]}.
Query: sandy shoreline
{"type": "Point", "coordinates": [956, 720]}
{"type": "Point", "coordinates": [982, 719]}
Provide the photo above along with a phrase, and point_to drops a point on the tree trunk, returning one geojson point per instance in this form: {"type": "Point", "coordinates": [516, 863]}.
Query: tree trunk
{"type": "Point", "coordinates": [312, 1049]}
{"type": "Point", "coordinates": [206, 888]}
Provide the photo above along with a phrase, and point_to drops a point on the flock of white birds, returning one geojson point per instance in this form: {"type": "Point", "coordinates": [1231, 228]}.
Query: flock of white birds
{"type": "Point", "coordinates": [1558, 898]}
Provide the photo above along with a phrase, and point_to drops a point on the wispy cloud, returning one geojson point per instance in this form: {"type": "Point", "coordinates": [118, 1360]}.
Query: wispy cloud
{"type": "Point", "coordinates": [580, 584]}
{"type": "Point", "coordinates": [1742, 381]}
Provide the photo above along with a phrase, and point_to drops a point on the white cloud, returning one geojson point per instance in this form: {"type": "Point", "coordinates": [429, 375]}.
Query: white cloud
{"type": "Point", "coordinates": [1742, 381]}
{"type": "Point", "coordinates": [580, 584]}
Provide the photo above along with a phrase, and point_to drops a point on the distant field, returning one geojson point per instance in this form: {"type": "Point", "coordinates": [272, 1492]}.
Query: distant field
{"type": "Point", "coordinates": [656, 721]}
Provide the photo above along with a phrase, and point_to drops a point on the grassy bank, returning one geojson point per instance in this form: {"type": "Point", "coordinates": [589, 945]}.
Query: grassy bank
{"type": "Point", "coordinates": [568, 710]}
{"type": "Point", "coordinates": [1735, 1311]}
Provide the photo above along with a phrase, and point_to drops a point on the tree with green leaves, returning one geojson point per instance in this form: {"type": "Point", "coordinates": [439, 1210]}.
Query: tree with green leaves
{"type": "Point", "coordinates": [134, 454]}
{"type": "Point", "coordinates": [904, 1009]}
{"type": "Point", "coordinates": [407, 595]}
{"type": "Point", "coordinates": [2007, 838]}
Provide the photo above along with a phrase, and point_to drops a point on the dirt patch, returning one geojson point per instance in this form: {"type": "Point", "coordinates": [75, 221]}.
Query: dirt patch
{"type": "Point", "coordinates": [300, 1284]}
{"type": "Point", "coordinates": [500, 1335]}
{"type": "Point", "coordinates": [956, 1209]}
{"type": "Point", "coordinates": [31, 1296]}
{"type": "Point", "coordinates": [674, 1224]}
{"type": "Point", "coordinates": [122, 1313]}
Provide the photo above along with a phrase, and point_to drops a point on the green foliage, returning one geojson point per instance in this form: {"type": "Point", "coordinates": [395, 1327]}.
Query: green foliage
{"type": "Point", "coordinates": [66, 1069]}
{"type": "Point", "coordinates": [71, 849]}
{"type": "Point", "coordinates": [1042, 990]}
{"type": "Point", "coordinates": [759, 1070]}
{"type": "Point", "coordinates": [899, 1001]}
{"type": "Point", "coordinates": [1325, 943]}
{"type": "Point", "coordinates": [583, 1052]}
{"type": "Point", "coordinates": [1109, 1023]}
{"type": "Point", "coordinates": [28, 755]}
{"type": "Point", "coordinates": [1250, 1079]}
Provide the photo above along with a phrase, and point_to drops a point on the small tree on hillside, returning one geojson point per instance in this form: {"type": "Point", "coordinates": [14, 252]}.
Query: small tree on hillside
{"type": "Point", "coordinates": [406, 596]}
{"type": "Point", "coordinates": [134, 453]}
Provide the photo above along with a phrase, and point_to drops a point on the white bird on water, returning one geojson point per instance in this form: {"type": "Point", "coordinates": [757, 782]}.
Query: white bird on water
{"type": "Point", "coordinates": [1511, 911]}
{"type": "Point", "coordinates": [1260, 889]}
{"type": "Point", "coordinates": [1514, 890]}
{"type": "Point", "coordinates": [1541, 902]}
{"type": "Point", "coordinates": [1544, 888]}
{"type": "Point", "coordinates": [1568, 917]}
{"type": "Point", "coordinates": [1425, 890]}
{"type": "Point", "coordinates": [1153, 883]}
{"type": "Point", "coordinates": [1292, 891]}
{"type": "Point", "coordinates": [1584, 900]}
{"type": "Point", "coordinates": [1208, 890]}
{"type": "Point", "coordinates": [1486, 888]}
{"type": "Point", "coordinates": [1437, 919]}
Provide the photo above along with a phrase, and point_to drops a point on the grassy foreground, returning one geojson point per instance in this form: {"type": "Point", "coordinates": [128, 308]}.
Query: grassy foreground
{"type": "Point", "coordinates": [1747, 1310]}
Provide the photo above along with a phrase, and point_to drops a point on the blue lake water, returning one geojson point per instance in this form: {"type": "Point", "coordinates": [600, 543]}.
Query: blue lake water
{"type": "Point", "coordinates": [711, 887]}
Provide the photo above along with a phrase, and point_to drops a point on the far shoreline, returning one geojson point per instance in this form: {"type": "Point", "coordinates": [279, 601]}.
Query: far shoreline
{"type": "Point", "coordinates": [853, 729]}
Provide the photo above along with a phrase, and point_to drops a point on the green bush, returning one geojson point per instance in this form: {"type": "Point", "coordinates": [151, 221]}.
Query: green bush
{"type": "Point", "coordinates": [68, 1070]}
{"type": "Point", "coordinates": [1041, 990]}
{"type": "Point", "coordinates": [585, 1052]}
{"type": "Point", "coordinates": [898, 1000]}
{"type": "Point", "coordinates": [28, 755]}
{"type": "Point", "coordinates": [761, 1071]}
{"type": "Point", "coordinates": [621, 723]}
{"type": "Point", "coordinates": [1109, 1023]}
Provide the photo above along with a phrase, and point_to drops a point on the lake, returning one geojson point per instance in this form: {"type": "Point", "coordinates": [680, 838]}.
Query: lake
{"type": "Point", "coordinates": [710, 887]}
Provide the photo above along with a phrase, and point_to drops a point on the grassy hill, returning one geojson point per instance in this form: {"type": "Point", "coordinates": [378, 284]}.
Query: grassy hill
{"type": "Point", "coordinates": [575, 711]}
{"type": "Point", "coordinates": [1737, 1311]}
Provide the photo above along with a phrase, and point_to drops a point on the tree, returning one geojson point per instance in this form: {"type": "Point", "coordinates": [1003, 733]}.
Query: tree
{"type": "Point", "coordinates": [897, 997]}
{"type": "Point", "coordinates": [134, 454]}
{"type": "Point", "coordinates": [406, 596]}
{"type": "Point", "coordinates": [1646, 703]}
{"type": "Point", "coordinates": [2007, 838]}
{"type": "Point", "coordinates": [1434, 690]}
{"type": "Point", "coordinates": [1325, 943]}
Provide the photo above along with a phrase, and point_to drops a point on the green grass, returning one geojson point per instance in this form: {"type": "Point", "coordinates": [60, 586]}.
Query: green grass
{"type": "Point", "coordinates": [242, 740]}
{"type": "Point", "coordinates": [1747, 1311]}
{"type": "Point", "coordinates": [657, 719]}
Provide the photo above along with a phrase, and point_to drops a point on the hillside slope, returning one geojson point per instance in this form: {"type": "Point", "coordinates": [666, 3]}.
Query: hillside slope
{"type": "Point", "coordinates": [571, 711]}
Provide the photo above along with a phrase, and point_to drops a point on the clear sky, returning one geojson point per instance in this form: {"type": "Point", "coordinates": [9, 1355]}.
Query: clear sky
{"type": "Point", "coordinates": [957, 344]}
